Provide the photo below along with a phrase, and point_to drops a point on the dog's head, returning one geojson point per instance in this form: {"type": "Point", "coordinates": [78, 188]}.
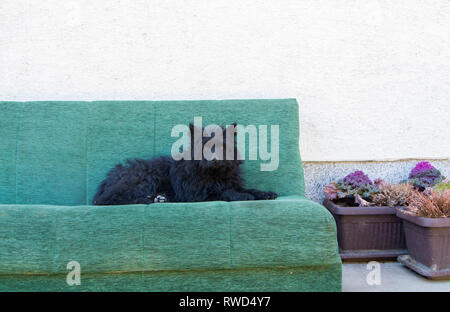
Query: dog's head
{"type": "Point", "coordinates": [214, 147]}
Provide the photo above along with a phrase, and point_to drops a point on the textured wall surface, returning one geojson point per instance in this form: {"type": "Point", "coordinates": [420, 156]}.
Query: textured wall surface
{"type": "Point", "coordinates": [372, 77]}
{"type": "Point", "coordinates": [318, 174]}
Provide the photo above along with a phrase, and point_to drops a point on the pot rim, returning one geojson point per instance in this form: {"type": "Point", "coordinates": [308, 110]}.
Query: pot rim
{"type": "Point", "coordinates": [424, 222]}
{"type": "Point", "coordinates": [370, 210]}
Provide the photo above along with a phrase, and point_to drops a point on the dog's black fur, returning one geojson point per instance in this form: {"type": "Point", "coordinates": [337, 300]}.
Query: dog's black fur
{"type": "Point", "coordinates": [162, 179]}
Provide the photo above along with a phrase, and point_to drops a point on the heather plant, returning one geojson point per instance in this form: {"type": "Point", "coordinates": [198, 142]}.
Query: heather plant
{"type": "Point", "coordinates": [435, 205]}
{"type": "Point", "coordinates": [393, 195]}
{"type": "Point", "coordinates": [424, 175]}
{"type": "Point", "coordinates": [355, 185]}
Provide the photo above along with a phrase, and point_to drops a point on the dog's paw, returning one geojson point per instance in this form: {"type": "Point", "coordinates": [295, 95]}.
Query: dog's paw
{"type": "Point", "coordinates": [271, 195]}
{"type": "Point", "coordinates": [160, 199]}
{"type": "Point", "coordinates": [246, 196]}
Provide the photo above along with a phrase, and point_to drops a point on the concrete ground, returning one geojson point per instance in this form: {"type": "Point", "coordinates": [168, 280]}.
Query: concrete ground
{"type": "Point", "coordinates": [393, 277]}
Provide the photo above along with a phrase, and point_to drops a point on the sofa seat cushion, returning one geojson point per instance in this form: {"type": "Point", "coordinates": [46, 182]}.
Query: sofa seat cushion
{"type": "Point", "coordinates": [290, 231]}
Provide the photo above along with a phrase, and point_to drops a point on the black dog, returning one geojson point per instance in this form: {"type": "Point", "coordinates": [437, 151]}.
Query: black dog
{"type": "Point", "coordinates": [163, 179]}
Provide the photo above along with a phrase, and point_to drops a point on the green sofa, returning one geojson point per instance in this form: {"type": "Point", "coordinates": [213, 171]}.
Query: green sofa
{"type": "Point", "coordinates": [54, 154]}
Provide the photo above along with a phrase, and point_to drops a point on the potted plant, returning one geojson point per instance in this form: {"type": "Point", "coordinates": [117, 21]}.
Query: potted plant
{"type": "Point", "coordinates": [424, 176]}
{"type": "Point", "coordinates": [365, 214]}
{"type": "Point", "coordinates": [426, 222]}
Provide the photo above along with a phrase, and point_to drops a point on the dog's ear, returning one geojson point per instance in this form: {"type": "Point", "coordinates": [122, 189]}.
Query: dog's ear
{"type": "Point", "coordinates": [234, 128]}
{"type": "Point", "coordinates": [234, 124]}
{"type": "Point", "coordinates": [191, 129]}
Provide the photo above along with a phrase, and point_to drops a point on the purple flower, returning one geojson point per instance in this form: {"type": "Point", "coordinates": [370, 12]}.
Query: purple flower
{"type": "Point", "coordinates": [357, 178]}
{"type": "Point", "coordinates": [424, 175]}
{"type": "Point", "coordinates": [421, 167]}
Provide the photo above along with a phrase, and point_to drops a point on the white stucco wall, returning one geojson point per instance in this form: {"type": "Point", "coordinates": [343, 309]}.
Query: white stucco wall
{"type": "Point", "coordinates": [372, 77]}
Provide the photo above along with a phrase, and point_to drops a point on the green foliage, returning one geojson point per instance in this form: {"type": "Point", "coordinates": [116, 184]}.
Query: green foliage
{"type": "Point", "coordinates": [442, 186]}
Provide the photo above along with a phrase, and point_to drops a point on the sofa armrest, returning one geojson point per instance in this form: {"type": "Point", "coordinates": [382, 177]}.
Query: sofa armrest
{"type": "Point", "coordinates": [290, 231]}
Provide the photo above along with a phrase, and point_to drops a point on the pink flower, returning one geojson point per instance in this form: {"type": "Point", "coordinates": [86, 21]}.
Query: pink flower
{"type": "Point", "coordinates": [330, 191]}
{"type": "Point", "coordinates": [379, 182]}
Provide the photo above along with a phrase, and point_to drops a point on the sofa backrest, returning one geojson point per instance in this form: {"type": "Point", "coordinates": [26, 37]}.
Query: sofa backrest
{"type": "Point", "coordinates": [58, 152]}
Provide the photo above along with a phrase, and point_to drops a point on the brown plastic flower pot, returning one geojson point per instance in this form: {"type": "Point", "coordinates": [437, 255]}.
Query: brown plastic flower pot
{"type": "Point", "coordinates": [368, 232]}
{"type": "Point", "coordinates": [428, 242]}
